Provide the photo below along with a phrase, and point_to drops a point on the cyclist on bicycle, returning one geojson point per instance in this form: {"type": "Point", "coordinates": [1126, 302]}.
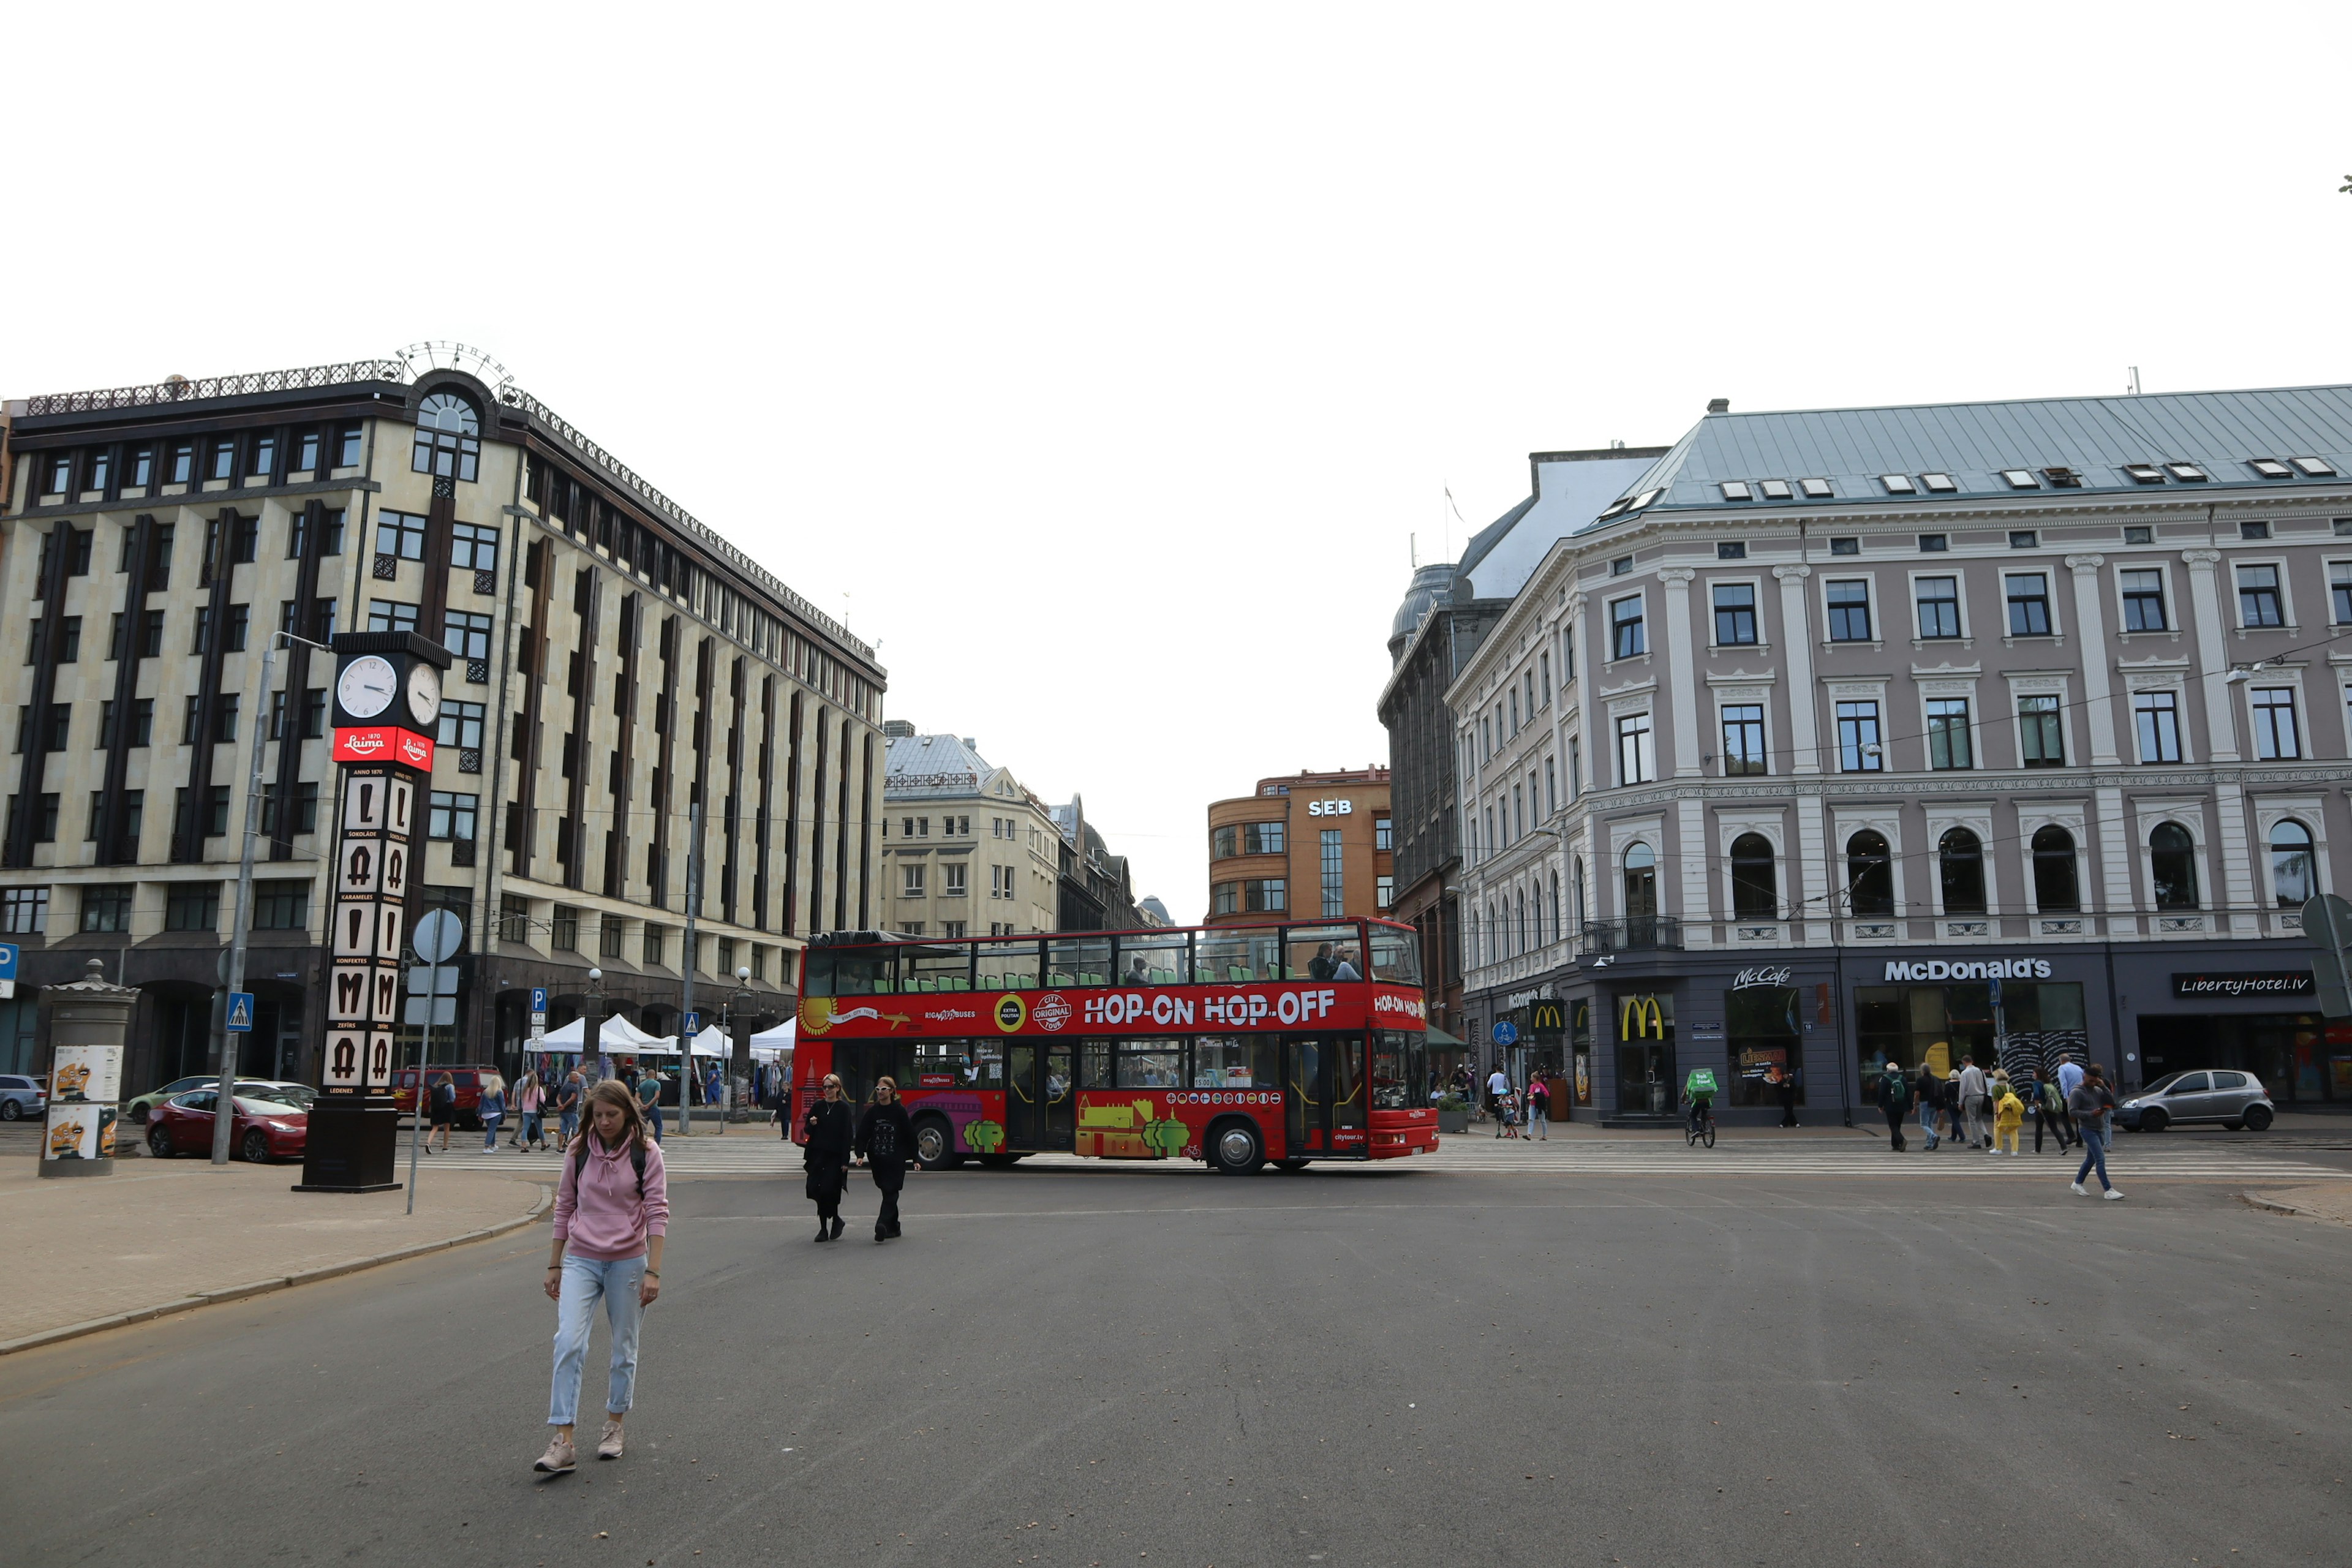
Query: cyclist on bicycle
{"type": "Point", "coordinates": [1698, 1092]}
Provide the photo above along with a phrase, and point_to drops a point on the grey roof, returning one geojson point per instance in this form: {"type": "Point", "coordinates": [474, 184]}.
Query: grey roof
{"type": "Point", "coordinates": [2220, 432]}
{"type": "Point", "coordinates": [1569, 488]}
{"type": "Point", "coordinates": [923, 767]}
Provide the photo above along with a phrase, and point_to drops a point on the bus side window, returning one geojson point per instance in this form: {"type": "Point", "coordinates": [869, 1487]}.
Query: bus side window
{"type": "Point", "coordinates": [820, 973]}
{"type": "Point", "coordinates": [1094, 1064]}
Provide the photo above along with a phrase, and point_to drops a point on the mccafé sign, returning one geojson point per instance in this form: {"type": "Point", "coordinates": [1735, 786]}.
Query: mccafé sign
{"type": "Point", "coordinates": [1995, 969]}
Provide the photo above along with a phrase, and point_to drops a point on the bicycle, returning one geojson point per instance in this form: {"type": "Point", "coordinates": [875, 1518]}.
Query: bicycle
{"type": "Point", "coordinates": [1701, 1126]}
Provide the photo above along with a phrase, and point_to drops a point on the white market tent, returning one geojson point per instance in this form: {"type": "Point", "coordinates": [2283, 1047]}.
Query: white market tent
{"type": "Point", "coordinates": [770, 1044]}
{"type": "Point", "coordinates": [615, 1036]}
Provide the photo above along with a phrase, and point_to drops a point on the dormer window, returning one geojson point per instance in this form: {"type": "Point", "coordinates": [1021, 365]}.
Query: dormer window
{"type": "Point", "coordinates": [1899, 484]}
{"type": "Point", "coordinates": [2144, 473]}
{"type": "Point", "coordinates": [1646, 499]}
{"type": "Point", "coordinates": [2187, 473]}
{"type": "Point", "coordinates": [2270, 468]}
{"type": "Point", "coordinates": [2062, 479]}
{"type": "Point", "coordinates": [1737, 489]}
{"type": "Point", "coordinates": [2315, 468]}
{"type": "Point", "coordinates": [447, 437]}
{"type": "Point", "coordinates": [1816, 490]}
{"type": "Point", "coordinates": [2020, 479]}
{"type": "Point", "coordinates": [1775, 489]}
{"type": "Point", "coordinates": [1939, 484]}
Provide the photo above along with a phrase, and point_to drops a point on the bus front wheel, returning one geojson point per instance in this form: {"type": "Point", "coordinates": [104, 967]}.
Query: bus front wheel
{"type": "Point", "coordinates": [1235, 1150]}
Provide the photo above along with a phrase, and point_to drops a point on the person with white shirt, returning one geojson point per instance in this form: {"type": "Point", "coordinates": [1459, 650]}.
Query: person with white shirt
{"type": "Point", "coordinates": [1972, 1103]}
{"type": "Point", "coordinates": [1499, 1084]}
{"type": "Point", "coordinates": [2070, 1078]}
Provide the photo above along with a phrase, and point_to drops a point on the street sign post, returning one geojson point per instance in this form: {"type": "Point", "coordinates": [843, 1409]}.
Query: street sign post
{"type": "Point", "coordinates": [1506, 1033]}
{"type": "Point", "coordinates": [240, 1013]}
{"type": "Point", "coordinates": [7, 971]}
{"type": "Point", "coordinates": [2328, 921]}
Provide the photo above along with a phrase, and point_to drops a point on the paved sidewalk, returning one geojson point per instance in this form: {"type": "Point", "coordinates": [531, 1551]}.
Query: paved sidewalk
{"type": "Point", "coordinates": [161, 1236]}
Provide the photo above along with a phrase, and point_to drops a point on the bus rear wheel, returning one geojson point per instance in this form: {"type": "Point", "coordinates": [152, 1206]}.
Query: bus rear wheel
{"type": "Point", "coordinates": [935, 1145]}
{"type": "Point", "coordinates": [1235, 1150]}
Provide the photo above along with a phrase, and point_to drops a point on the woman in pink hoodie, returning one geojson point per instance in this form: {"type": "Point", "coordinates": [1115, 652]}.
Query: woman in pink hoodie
{"type": "Point", "coordinates": [612, 1211]}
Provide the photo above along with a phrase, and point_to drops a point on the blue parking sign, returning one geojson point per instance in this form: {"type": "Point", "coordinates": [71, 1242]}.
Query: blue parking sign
{"type": "Point", "coordinates": [240, 1011]}
{"type": "Point", "coordinates": [538, 998]}
{"type": "Point", "coordinates": [7, 960]}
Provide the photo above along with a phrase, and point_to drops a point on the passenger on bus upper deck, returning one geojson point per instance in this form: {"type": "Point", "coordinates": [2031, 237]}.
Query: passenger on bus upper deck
{"type": "Point", "coordinates": [1137, 972]}
{"type": "Point", "coordinates": [1319, 967]}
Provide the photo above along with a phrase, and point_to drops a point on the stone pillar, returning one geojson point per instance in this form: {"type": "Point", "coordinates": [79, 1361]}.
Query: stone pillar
{"type": "Point", "coordinates": [1680, 653]}
{"type": "Point", "coordinates": [88, 1021]}
{"type": "Point", "coordinates": [2090, 632]}
{"type": "Point", "coordinates": [1797, 643]}
{"type": "Point", "coordinates": [2234, 852]}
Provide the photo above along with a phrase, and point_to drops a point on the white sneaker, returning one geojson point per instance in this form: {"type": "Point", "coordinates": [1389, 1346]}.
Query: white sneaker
{"type": "Point", "coordinates": [2076, 1188]}
{"type": "Point", "coordinates": [2113, 1194]}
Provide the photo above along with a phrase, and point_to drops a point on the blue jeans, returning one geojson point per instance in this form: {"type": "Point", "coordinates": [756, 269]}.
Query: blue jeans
{"type": "Point", "coordinates": [585, 1279]}
{"type": "Point", "coordinates": [2095, 1156]}
{"type": "Point", "coordinates": [490, 1133]}
{"type": "Point", "coordinates": [1928, 1123]}
{"type": "Point", "coordinates": [531, 1131]}
{"type": "Point", "coordinates": [570, 1126]}
{"type": "Point", "coordinates": [653, 1119]}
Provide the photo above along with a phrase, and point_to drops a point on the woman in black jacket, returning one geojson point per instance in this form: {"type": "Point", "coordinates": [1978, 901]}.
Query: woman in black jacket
{"type": "Point", "coordinates": [886, 1141]}
{"type": "Point", "coordinates": [827, 1130]}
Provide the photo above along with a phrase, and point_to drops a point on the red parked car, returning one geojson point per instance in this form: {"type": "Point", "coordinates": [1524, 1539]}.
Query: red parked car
{"type": "Point", "coordinates": [263, 1130]}
{"type": "Point", "coordinates": [466, 1078]}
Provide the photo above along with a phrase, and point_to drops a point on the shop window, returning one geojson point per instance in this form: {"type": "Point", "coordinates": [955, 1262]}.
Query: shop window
{"type": "Point", "coordinates": [2055, 884]}
{"type": "Point", "coordinates": [2291, 878]}
{"type": "Point", "coordinates": [1755, 890]}
{"type": "Point", "coordinates": [1869, 874]}
{"type": "Point", "coordinates": [2172, 867]}
{"type": "Point", "coordinates": [1766, 1042]}
{"type": "Point", "coordinates": [1960, 861]}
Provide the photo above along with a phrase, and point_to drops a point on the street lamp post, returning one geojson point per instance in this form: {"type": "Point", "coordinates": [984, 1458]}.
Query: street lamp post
{"type": "Point", "coordinates": [739, 1033]}
{"type": "Point", "coordinates": [592, 1019]}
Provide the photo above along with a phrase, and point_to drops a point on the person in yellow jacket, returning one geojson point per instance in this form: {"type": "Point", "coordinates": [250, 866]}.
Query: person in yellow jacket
{"type": "Point", "coordinates": [2008, 1114]}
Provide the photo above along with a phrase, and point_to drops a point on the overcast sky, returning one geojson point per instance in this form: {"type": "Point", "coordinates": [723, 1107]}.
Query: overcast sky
{"type": "Point", "coordinates": [1106, 358]}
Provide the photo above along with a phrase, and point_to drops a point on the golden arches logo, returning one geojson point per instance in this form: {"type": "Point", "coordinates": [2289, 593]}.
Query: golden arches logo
{"type": "Point", "coordinates": [1640, 1019]}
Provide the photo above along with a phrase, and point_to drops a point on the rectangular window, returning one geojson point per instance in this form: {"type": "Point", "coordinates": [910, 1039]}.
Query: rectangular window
{"type": "Point", "coordinates": [1849, 603]}
{"type": "Point", "coordinates": [183, 463]}
{"type": "Point", "coordinates": [1226, 899]}
{"type": "Point", "coordinates": [1637, 760]}
{"type": "Point", "coordinates": [1940, 606]}
{"type": "Point", "coordinates": [1261, 838]}
{"type": "Point", "coordinates": [24, 911]}
{"type": "Point", "coordinates": [953, 879]}
{"type": "Point", "coordinates": [223, 463]}
{"type": "Point", "coordinates": [391, 616]}
{"type": "Point", "coordinates": [1225, 843]}
{"type": "Point", "coordinates": [1266, 895]}
{"type": "Point", "coordinates": [1575, 768]}
{"type": "Point", "coordinates": [2158, 715]}
{"type": "Point", "coordinates": [1626, 638]}
{"type": "Point", "coordinates": [192, 906]}
{"type": "Point", "coordinates": [1734, 614]}
{"type": "Point", "coordinates": [911, 884]}
{"type": "Point", "coordinates": [1383, 839]}
{"type": "Point", "coordinates": [400, 534]}
{"type": "Point", "coordinates": [2144, 602]}
{"type": "Point", "coordinates": [306, 452]}
{"type": "Point", "coordinates": [1947, 735]}
{"type": "Point", "coordinates": [465, 636]}
{"type": "Point", "coordinates": [473, 547]}
{"type": "Point", "coordinates": [281, 905]}
{"type": "Point", "coordinates": [240, 622]}
{"type": "Point", "coordinates": [306, 810]}
{"type": "Point", "coordinates": [351, 446]}
{"type": "Point", "coordinates": [654, 943]}
{"type": "Point", "coordinates": [2275, 732]}
{"type": "Point", "coordinates": [2339, 580]}
{"type": "Point", "coordinates": [2258, 597]}
{"type": "Point", "coordinates": [564, 933]}
{"type": "Point", "coordinates": [462, 723]}
{"type": "Point", "coordinates": [451, 815]}
{"type": "Point", "coordinates": [1743, 738]}
{"type": "Point", "coordinates": [140, 469]}
{"type": "Point", "coordinates": [1384, 892]}
{"type": "Point", "coordinates": [106, 909]}
{"type": "Point", "coordinates": [204, 630]}
{"type": "Point", "coordinates": [1859, 751]}
{"type": "Point", "coordinates": [2040, 739]}
{"type": "Point", "coordinates": [1335, 897]}
{"type": "Point", "coordinates": [2029, 604]}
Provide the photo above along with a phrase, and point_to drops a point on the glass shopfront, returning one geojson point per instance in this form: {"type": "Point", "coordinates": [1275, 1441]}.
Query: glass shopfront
{"type": "Point", "coordinates": [1765, 1041]}
{"type": "Point", "coordinates": [1580, 1048]}
{"type": "Point", "coordinates": [2301, 1059]}
{"type": "Point", "coordinates": [1646, 1083]}
{"type": "Point", "coordinates": [2034, 1025]}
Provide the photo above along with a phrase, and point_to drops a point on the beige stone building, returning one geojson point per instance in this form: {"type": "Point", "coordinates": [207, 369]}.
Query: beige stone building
{"type": "Point", "coordinates": [966, 849]}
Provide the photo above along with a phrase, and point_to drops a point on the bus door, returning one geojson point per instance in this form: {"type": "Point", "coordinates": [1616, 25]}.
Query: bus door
{"type": "Point", "coordinates": [1038, 1110]}
{"type": "Point", "coordinates": [1306, 1094]}
{"type": "Point", "coordinates": [1349, 1097]}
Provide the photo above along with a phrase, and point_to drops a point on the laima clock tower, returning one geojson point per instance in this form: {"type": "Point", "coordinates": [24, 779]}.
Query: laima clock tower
{"type": "Point", "coordinates": [387, 711]}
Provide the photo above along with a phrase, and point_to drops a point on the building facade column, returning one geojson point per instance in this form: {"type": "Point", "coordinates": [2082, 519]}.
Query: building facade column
{"type": "Point", "coordinates": [2090, 628]}
{"type": "Point", "coordinates": [2221, 751]}
{"type": "Point", "coordinates": [1811, 874]}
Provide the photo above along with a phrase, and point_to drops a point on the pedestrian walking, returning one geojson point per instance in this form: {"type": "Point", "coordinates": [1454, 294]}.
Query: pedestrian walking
{"type": "Point", "coordinates": [530, 1098]}
{"type": "Point", "coordinates": [445, 1112]}
{"type": "Point", "coordinates": [2070, 1078]}
{"type": "Point", "coordinates": [1538, 1109]}
{"type": "Point", "coordinates": [649, 1089]}
{"type": "Point", "coordinates": [1783, 1084]}
{"type": "Point", "coordinates": [1973, 1091]}
{"type": "Point", "coordinates": [1893, 1099]}
{"type": "Point", "coordinates": [2048, 1110]}
{"type": "Point", "coordinates": [567, 1105]}
{"type": "Point", "coordinates": [886, 1142]}
{"type": "Point", "coordinates": [2093, 1104]}
{"type": "Point", "coordinates": [1498, 1085]}
{"type": "Point", "coordinates": [1931, 1103]}
{"type": "Point", "coordinates": [2008, 1116]}
{"type": "Point", "coordinates": [829, 1133]}
{"type": "Point", "coordinates": [491, 1110]}
{"type": "Point", "coordinates": [612, 1216]}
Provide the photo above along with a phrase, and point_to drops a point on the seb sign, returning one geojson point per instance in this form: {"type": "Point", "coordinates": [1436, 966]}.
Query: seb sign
{"type": "Point", "coordinates": [1330, 808]}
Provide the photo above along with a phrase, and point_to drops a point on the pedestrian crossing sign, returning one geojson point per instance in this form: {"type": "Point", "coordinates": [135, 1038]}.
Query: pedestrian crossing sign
{"type": "Point", "coordinates": [240, 1011]}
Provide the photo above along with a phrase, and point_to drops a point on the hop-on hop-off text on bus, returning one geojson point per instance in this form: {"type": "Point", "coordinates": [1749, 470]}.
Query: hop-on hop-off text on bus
{"type": "Point", "coordinates": [1234, 1045]}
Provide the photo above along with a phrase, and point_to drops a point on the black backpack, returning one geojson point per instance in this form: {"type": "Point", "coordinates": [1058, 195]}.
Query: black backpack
{"type": "Point", "coordinates": [636, 1158]}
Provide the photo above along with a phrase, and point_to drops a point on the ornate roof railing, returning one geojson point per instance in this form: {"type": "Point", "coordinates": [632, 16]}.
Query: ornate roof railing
{"type": "Point", "coordinates": [179, 389]}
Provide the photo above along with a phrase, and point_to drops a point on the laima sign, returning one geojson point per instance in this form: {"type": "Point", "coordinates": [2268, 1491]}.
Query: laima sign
{"type": "Point", "coordinates": [384, 744]}
{"type": "Point", "coordinates": [1330, 808]}
{"type": "Point", "coordinates": [1995, 969]}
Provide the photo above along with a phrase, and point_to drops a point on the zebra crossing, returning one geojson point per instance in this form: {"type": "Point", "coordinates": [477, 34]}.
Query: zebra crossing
{"type": "Point", "coordinates": [743, 1154]}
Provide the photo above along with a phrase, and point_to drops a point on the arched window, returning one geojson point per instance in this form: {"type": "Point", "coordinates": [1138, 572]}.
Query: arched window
{"type": "Point", "coordinates": [1523, 920]}
{"type": "Point", "coordinates": [2172, 867]}
{"type": "Point", "coordinates": [2054, 871]}
{"type": "Point", "coordinates": [447, 427]}
{"type": "Point", "coordinates": [1961, 856]}
{"type": "Point", "coordinates": [1869, 874]}
{"type": "Point", "coordinates": [2291, 878]}
{"type": "Point", "coordinates": [1578, 890]}
{"type": "Point", "coordinates": [1553, 902]}
{"type": "Point", "coordinates": [1641, 882]}
{"type": "Point", "coordinates": [1755, 889]}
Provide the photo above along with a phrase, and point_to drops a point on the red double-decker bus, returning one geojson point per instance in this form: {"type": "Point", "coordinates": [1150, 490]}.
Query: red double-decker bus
{"type": "Point", "coordinates": [1233, 1045]}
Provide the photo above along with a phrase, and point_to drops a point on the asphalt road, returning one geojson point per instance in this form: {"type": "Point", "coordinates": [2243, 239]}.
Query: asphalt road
{"type": "Point", "coordinates": [1163, 1367]}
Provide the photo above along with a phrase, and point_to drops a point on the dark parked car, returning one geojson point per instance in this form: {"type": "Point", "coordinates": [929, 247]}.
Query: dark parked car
{"type": "Point", "coordinates": [2234, 1099]}
{"type": "Point", "coordinates": [21, 1097]}
{"type": "Point", "coordinates": [263, 1130]}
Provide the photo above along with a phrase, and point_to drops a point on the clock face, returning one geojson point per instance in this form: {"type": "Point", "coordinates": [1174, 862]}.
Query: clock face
{"type": "Point", "coordinates": [425, 694]}
{"type": "Point", "coordinates": [367, 686]}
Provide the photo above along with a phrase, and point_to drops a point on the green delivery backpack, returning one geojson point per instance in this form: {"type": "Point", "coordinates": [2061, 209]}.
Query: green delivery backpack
{"type": "Point", "coordinates": [1701, 1084]}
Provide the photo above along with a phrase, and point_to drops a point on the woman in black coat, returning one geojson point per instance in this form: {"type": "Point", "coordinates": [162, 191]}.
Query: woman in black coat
{"type": "Point", "coordinates": [826, 1130]}
{"type": "Point", "coordinates": [886, 1141]}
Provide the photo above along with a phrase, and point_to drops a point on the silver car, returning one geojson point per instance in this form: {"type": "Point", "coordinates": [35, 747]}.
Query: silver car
{"type": "Point", "coordinates": [2234, 1099]}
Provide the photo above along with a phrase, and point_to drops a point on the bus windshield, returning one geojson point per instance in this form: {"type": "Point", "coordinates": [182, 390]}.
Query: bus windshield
{"type": "Point", "coordinates": [1396, 956]}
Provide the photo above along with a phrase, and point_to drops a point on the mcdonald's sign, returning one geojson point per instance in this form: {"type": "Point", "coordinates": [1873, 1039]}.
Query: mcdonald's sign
{"type": "Point", "coordinates": [1546, 1020]}
{"type": "Point", "coordinates": [1640, 1019]}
